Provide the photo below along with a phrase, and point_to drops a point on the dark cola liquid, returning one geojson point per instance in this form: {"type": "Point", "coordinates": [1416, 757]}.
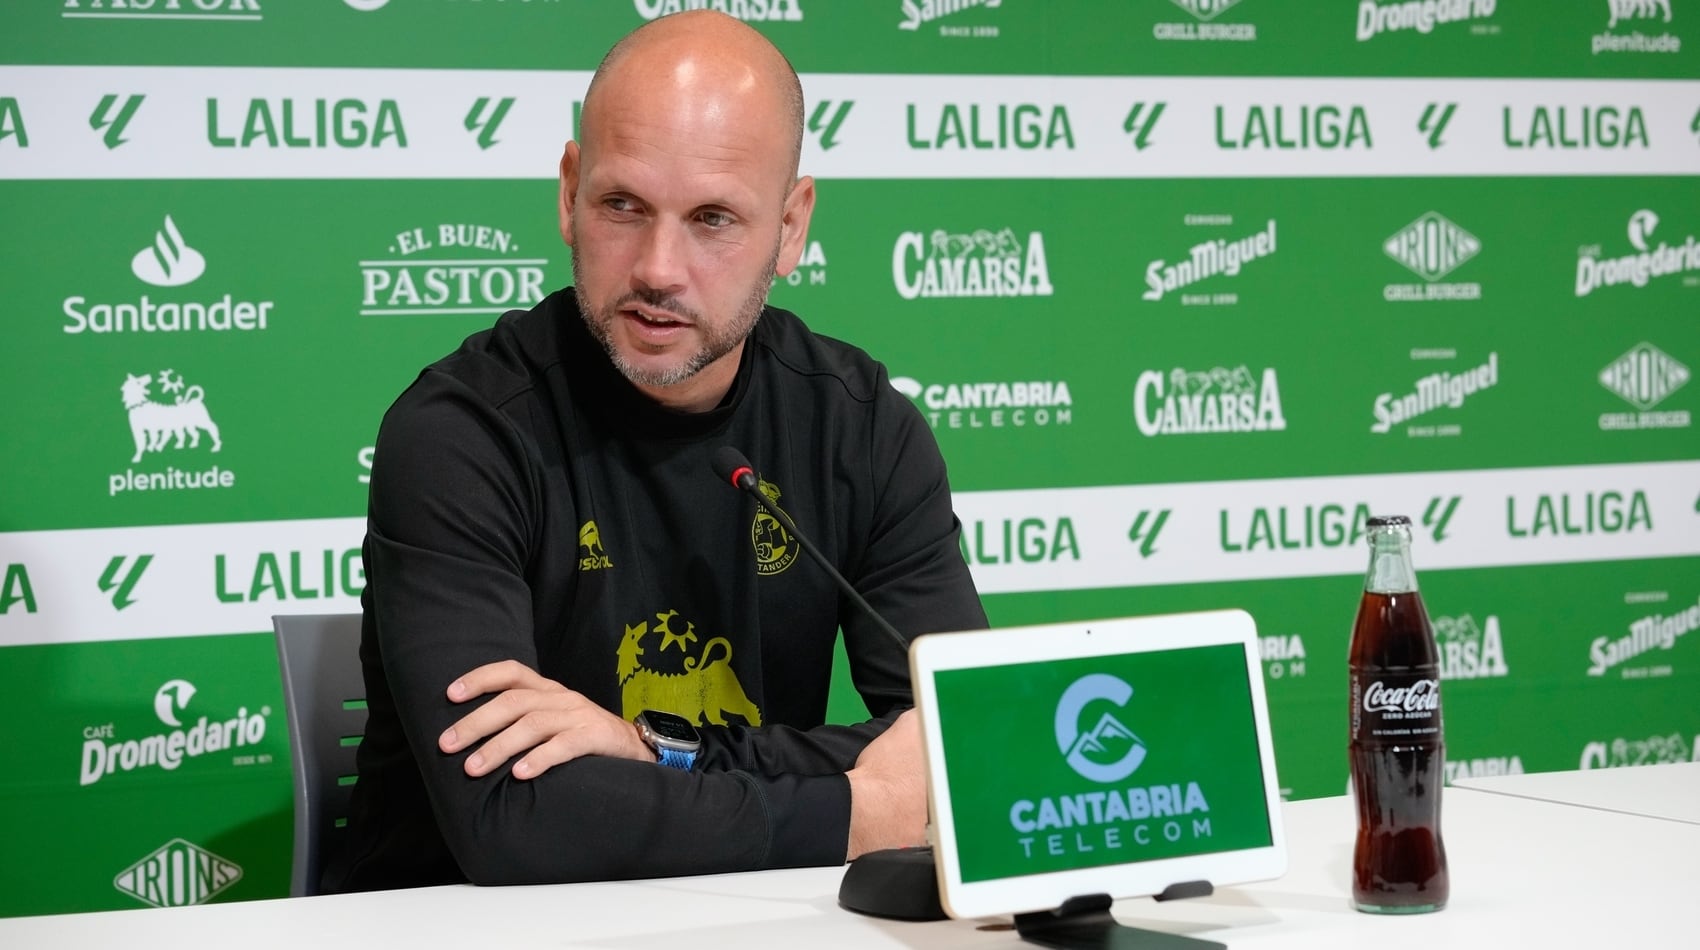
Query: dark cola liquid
{"type": "Point", "coordinates": [1398, 757]}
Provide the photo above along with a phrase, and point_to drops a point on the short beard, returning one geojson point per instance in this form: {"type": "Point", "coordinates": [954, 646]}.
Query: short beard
{"type": "Point", "coordinates": [716, 343]}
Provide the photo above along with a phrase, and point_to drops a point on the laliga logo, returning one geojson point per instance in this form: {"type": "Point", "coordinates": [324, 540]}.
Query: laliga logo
{"type": "Point", "coordinates": [1075, 744]}
{"type": "Point", "coordinates": [171, 697]}
{"type": "Point", "coordinates": [1641, 225]}
{"type": "Point", "coordinates": [171, 262]}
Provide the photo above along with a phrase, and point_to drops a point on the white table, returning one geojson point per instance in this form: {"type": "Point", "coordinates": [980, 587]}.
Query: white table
{"type": "Point", "coordinates": [1524, 873]}
{"type": "Point", "coordinates": [1670, 791]}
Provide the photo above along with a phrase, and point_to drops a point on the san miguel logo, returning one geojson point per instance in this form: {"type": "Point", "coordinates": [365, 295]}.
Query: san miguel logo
{"type": "Point", "coordinates": [178, 874]}
{"type": "Point", "coordinates": [104, 754]}
{"type": "Point", "coordinates": [747, 10]}
{"type": "Point", "coordinates": [677, 676]}
{"type": "Point", "coordinates": [1421, 16]}
{"type": "Point", "coordinates": [1649, 260]}
{"type": "Point", "coordinates": [1645, 635]}
{"type": "Point", "coordinates": [1220, 257]}
{"type": "Point", "coordinates": [168, 262]}
{"type": "Point", "coordinates": [1430, 393]}
{"type": "Point", "coordinates": [450, 269]}
{"type": "Point", "coordinates": [1183, 402]}
{"type": "Point", "coordinates": [979, 263]}
{"type": "Point", "coordinates": [775, 548]}
{"type": "Point", "coordinates": [1432, 247]}
{"type": "Point", "coordinates": [916, 13]}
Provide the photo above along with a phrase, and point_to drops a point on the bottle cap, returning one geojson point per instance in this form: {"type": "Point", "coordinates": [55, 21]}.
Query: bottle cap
{"type": "Point", "coordinates": [1384, 521]}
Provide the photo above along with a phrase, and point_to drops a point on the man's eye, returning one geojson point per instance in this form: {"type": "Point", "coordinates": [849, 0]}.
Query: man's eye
{"type": "Point", "coordinates": [715, 219]}
{"type": "Point", "coordinates": [618, 204]}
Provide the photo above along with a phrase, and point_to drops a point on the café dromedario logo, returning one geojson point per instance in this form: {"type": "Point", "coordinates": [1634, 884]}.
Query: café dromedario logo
{"type": "Point", "coordinates": [169, 416]}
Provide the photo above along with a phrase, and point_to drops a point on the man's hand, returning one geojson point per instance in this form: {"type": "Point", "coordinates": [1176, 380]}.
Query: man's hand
{"type": "Point", "coordinates": [888, 791]}
{"type": "Point", "coordinates": [536, 716]}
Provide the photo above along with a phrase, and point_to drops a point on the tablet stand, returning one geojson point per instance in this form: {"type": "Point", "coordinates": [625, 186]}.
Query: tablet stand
{"type": "Point", "coordinates": [1084, 923]}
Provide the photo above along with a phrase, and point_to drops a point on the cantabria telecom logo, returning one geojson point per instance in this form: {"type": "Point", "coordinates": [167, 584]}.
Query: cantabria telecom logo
{"type": "Point", "coordinates": [450, 268]}
{"type": "Point", "coordinates": [1648, 261]}
{"type": "Point", "coordinates": [1653, 750]}
{"type": "Point", "coordinates": [1483, 767]}
{"type": "Point", "coordinates": [1108, 751]}
{"type": "Point", "coordinates": [1435, 391]}
{"type": "Point", "coordinates": [1432, 247]}
{"type": "Point", "coordinates": [917, 13]}
{"type": "Point", "coordinates": [747, 10]}
{"type": "Point", "coordinates": [1220, 257]}
{"type": "Point", "coordinates": [157, 426]}
{"type": "Point", "coordinates": [990, 405]}
{"type": "Point", "coordinates": [1422, 16]}
{"type": "Point", "coordinates": [978, 263]}
{"type": "Point", "coordinates": [168, 262]}
{"type": "Point", "coordinates": [1623, 21]}
{"type": "Point", "coordinates": [179, 874]}
{"type": "Point", "coordinates": [1283, 656]}
{"type": "Point", "coordinates": [1655, 631]}
{"type": "Point", "coordinates": [1202, 26]}
{"type": "Point", "coordinates": [1469, 651]}
{"type": "Point", "coordinates": [1644, 377]}
{"type": "Point", "coordinates": [1186, 402]}
{"type": "Point", "coordinates": [105, 754]}
{"type": "Point", "coordinates": [231, 10]}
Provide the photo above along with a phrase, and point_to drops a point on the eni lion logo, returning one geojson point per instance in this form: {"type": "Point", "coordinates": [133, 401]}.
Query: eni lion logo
{"type": "Point", "coordinates": [700, 686]}
{"type": "Point", "coordinates": [152, 423]}
{"type": "Point", "coordinates": [591, 555]}
{"type": "Point", "coordinates": [775, 548]}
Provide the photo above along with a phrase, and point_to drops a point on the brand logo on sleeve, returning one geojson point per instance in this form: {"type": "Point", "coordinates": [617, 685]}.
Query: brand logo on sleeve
{"type": "Point", "coordinates": [978, 263]}
{"type": "Point", "coordinates": [1432, 247]}
{"type": "Point", "coordinates": [179, 874]}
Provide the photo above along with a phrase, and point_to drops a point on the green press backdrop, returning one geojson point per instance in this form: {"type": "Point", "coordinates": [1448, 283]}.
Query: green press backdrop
{"type": "Point", "coordinates": [1186, 288]}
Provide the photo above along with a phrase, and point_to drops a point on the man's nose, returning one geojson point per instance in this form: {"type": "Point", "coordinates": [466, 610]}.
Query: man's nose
{"type": "Point", "coordinates": [661, 259]}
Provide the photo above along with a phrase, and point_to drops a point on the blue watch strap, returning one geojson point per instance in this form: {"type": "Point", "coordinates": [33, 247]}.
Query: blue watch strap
{"type": "Point", "coordinates": [674, 759]}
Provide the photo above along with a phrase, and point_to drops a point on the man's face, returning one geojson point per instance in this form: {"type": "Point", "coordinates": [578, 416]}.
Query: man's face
{"type": "Point", "coordinates": [679, 219]}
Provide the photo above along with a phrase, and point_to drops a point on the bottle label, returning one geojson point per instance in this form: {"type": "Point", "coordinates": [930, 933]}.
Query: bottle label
{"type": "Point", "coordinates": [1396, 706]}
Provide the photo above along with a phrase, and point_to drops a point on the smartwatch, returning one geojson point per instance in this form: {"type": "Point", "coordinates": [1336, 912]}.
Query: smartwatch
{"type": "Point", "coordinates": [673, 738]}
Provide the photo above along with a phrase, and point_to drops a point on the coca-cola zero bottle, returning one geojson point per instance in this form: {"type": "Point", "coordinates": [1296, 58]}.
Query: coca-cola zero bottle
{"type": "Point", "coordinates": [1398, 759]}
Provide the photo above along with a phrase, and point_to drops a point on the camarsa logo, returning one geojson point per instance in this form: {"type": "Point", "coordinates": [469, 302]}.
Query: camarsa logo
{"type": "Point", "coordinates": [1649, 260]}
{"type": "Point", "coordinates": [168, 261]}
{"type": "Point", "coordinates": [187, 737]}
{"type": "Point", "coordinates": [1469, 650]}
{"type": "Point", "coordinates": [1184, 402]}
{"type": "Point", "coordinates": [450, 269]}
{"type": "Point", "coordinates": [1653, 750]}
{"type": "Point", "coordinates": [747, 10]}
{"type": "Point", "coordinates": [1421, 16]}
{"type": "Point", "coordinates": [978, 263]}
{"type": "Point", "coordinates": [990, 405]}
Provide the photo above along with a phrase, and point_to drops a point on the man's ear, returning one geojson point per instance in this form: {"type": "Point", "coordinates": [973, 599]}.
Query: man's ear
{"type": "Point", "coordinates": [794, 224]}
{"type": "Point", "coordinates": [569, 190]}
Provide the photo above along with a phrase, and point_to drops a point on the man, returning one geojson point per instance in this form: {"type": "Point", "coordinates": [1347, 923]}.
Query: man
{"type": "Point", "coordinates": [549, 555]}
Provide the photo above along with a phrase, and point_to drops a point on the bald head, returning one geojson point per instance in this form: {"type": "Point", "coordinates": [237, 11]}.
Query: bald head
{"type": "Point", "coordinates": [708, 59]}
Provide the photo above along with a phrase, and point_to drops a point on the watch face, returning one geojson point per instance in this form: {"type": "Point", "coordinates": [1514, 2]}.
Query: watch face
{"type": "Point", "coordinates": [669, 726]}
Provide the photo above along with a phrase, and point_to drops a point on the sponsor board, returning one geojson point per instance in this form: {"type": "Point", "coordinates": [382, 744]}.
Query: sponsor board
{"type": "Point", "coordinates": [978, 263]}
{"type": "Point", "coordinates": [1209, 262]}
{"type": "Point", "coordinates": [178, 874]}
{"type": "Point", "coordinates": [168, 262]}
{"type": "Point", "coordinates": [1644, 648]}
{"type": "Point", "coordinates": [1648, 262]}
{"type": "Point", "coordinates": [1625, 22]}
{"type": "Point", "coordinates": [1380, 17]}
{"type": "Point", "coordinates": [1189, 402]}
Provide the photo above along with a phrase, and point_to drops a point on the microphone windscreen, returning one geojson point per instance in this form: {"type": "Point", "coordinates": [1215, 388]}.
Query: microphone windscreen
{"type": "Point", "coordinates": [728, 463]}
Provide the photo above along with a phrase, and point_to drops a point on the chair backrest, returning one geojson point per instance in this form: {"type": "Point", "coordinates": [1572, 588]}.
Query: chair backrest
{"type": "Point", "coordinates": [325, 698]}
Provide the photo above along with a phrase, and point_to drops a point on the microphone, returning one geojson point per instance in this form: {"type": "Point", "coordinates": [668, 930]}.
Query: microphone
{"type": "Point", "coordinates": [731, 467]}
{"type": "Point", "coordinates": [895, 883]}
